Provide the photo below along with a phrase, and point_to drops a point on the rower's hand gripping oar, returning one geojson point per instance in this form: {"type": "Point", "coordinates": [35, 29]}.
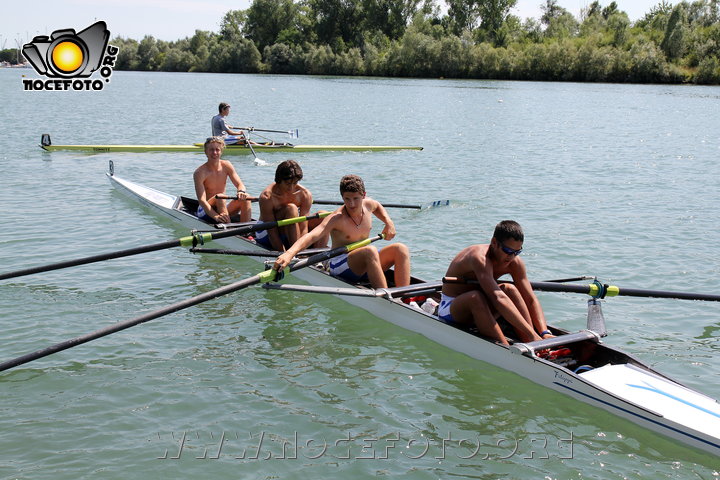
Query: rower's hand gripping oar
{"type": "Point", "coordinates": [265, 276]}
{"type": "Point", "coordinates": [189, 241]}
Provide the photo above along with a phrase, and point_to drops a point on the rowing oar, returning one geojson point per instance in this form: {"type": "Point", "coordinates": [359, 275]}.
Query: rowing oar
{"type": "Point", "coordinates": [189, 241]}
{"type": "Point", "coordinates": [235, 197]}
{"type": "Point", "coordinates": [436, 203]}
{"type": "Point", "coordinates": [265, 276]}
{"type": "Point", "coordinates": [599, 290]}
{"type": "Point", "coordinates": [257, 159]}
{"type": "Point", "coordinates": [256, 253]}
{"type": "Point", "coordinates": [293, 133]}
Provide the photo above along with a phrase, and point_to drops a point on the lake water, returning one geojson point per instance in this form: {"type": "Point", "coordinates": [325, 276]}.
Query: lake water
{"type": "Point", "coordinates": [617, 181]}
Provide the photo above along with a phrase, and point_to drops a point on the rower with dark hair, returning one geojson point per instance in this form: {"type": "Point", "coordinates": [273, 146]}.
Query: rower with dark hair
{"type": "Point", "coordinates": [351, 223]}
{"type": "Point", "coordinates": [220, 128]}
{"type": "Point", "coordinates": [488, 304]}
{"type": "Point", "coordinates": [286, 198]}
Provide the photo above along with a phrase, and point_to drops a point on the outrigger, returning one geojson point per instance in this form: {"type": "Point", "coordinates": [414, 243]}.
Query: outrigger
{"type": "Point", "coordinates": [579, 365]}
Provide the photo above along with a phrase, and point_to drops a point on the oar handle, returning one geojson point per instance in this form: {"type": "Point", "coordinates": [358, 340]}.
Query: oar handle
{"type": "Point", "coordinates": [235, 197]}
{"type": "Point", "coordinates": [293, 132]}
{"type": "Point", "coordinates": [262, 226]}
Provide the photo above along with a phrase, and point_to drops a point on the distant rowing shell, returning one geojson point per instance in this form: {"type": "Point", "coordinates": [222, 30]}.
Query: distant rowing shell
{"type": "Point", "coordinates": [233, 149]}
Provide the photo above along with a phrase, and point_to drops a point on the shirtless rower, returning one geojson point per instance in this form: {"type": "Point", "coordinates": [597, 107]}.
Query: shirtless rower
{"type": "Point", "coordinates": [484, 304]}
{"type": "Point", "coordinates": [282, 199]}
{"type": "Point", "coordinates": [351, 223]}
{"type": "Point", "coordinates": [211, 178]}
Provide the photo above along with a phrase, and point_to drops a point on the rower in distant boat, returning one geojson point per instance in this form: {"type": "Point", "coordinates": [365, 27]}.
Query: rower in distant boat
{"type": "Point", "coordinates": [221, 129]}
{"type": "Point", "coordinates": [492, 305]}
{"type": "Point", "coordinates": [210, 179]}
{"type": "Point", "coordinates": [282, 199]}
{"type": "Point", "coordinates": [348, 224]}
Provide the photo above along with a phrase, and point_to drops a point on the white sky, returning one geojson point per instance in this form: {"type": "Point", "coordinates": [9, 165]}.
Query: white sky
{"type": "Point", "coordinates": [176, 19]}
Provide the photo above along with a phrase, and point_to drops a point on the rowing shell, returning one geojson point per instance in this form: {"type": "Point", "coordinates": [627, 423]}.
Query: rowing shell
{"type": "Point", "coordinates": [233, 149]}
{"type": "Point", "coordinates": [592, 372]}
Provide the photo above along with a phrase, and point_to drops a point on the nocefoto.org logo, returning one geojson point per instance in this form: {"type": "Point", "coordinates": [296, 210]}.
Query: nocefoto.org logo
{"type": "Point", "coordinates": [67, 58]}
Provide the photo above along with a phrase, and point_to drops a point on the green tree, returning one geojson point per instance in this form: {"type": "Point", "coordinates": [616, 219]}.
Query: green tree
{"type": "Point", "coordinates": [676, 33]}
{"type": "Point", "coordinates": [267, 19]}
{"type": "Point", "coordinates": [337, 22]}
{"type": "Point", "coordinates": [463, 15]}
{"type": "Point", "coordinates": [390, 17]}
{"type": "Point", "coordinates": [493, 14]}
{"type": "Point", "coordinates": [148, 54]}
{"type": "Point", "coordinates": [560, 22]}
{"type": "Point", "coordinates": [618, 24]}
{"type": "Point", "coordinates": [232, 25]}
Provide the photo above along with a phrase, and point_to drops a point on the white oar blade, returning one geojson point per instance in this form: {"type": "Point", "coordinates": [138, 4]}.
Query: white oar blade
{"type": "Point", "coordinates": [437, 203]}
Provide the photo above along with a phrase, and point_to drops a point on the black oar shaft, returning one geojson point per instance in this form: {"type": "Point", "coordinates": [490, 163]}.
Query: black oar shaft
{"type": "Point", "coordinates": [91, 259]}
{"type": "Point", "coordinates": [635, 292]}
{"type": "Point", "coordinates": [602, 291]}
{"type": "Point", "coordinates": [192, 240]}
{"type": "Point", "coordinates": [390, 205]}
{"type": "Point", "coordinates": [58, 347]}
{"type": "Point", "coordinates": [266, 276]}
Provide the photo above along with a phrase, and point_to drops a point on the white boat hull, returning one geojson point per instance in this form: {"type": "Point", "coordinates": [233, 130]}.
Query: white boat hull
{"type": "Point", "coordinates": [624, 386]}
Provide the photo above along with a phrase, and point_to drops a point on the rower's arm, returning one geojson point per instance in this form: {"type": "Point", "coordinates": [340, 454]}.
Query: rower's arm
{"type": "Point", "coordinates": [379, 211]}
{"type": "Point", "coordinates": [522, 283]}
{"type": "Point", "coordinates": [504, 304]}
{"type": "Point", "coordinates": [234, 177]}
{"type": "Point", "coordinates": [303, 242]}
{"type": "Point", "coordinates": [201, 193]}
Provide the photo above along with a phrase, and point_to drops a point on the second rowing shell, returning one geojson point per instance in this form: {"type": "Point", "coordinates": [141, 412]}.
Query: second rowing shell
{"type": "Point", "coordinates": [235, 149]}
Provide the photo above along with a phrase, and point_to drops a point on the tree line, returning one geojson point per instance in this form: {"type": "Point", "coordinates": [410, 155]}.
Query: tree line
{"type": "Point", "coordinates": [478, 39]}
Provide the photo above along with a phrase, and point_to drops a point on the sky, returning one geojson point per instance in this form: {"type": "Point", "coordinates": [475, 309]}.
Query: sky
{"type": "Point", "coordinates": [176, 19]}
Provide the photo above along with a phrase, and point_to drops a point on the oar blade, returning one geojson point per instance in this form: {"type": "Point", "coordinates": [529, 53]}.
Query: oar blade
{"type": "Point", "coordinates": [595, 318]}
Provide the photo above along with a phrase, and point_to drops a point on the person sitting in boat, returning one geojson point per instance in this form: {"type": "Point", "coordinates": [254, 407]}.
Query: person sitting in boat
{"type": "Point", "coordinates": [351, 223]}
{"type": "Point", "coordinates": [220, 128]}
{"type": "Point", "coordinates": [486, 303]}
{"type": "Point", "coordinates": [282, 199]}
{"type": "Point", "coordinates": [211, 178]}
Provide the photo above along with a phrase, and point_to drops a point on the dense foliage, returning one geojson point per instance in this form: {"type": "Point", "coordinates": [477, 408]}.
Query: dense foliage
{"type": "Point", "coordinates": [473, 39]}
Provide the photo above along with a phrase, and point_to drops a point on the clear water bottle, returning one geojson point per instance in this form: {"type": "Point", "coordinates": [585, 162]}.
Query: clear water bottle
{"type": "Point", "coordinates": [430, 306]}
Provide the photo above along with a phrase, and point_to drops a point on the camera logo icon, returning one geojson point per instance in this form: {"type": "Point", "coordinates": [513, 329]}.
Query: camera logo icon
{"type": "Point", "coordinates": [66, 54]}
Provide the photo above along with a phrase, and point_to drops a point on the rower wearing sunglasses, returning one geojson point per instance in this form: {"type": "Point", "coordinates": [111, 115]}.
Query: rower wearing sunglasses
{"type": "Point", "coordinates": [481, 300]}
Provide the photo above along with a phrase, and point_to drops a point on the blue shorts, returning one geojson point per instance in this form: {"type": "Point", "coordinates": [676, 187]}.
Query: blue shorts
{"type": "Point", "coordinates": [339, 268]}
{"type": "Point", "coordinates": [444, 310]}
{"type": "Point", "coordinates": [263, 238]}
{"type": "Point", "coordinates": [204, 216]}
